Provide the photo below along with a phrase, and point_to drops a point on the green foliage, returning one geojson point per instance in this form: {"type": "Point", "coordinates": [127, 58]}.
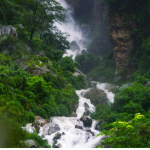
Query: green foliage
{"type": "Point", "coordinates": [134, 134]}
{"type": "Point", "coordinates": [99, 68]}
{"type": "Point", "coordinates": [67, 64]}
{"type": "Point", "coordinates": [38, 140]}
{"type": "Point", "coordinates": [63, 110]}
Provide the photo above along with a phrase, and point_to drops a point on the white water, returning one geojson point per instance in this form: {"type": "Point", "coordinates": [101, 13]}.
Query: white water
{"type": "Point", "coordinates": [75, 138]}
{"type": "Point", "coordinates": [110, 95]}
{"type": "Point", "coordinates": [72, 29]}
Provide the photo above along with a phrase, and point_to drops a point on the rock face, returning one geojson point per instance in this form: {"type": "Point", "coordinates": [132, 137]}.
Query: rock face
{"type": "Point", "coordinates": [31, 143]}
{"type": "Point", "coordinates": [97, 96]}
{"type": "Point", "coordinates": [101, 44]}
{"type": "Point", "coordinates": [86, 121]}
{"type": "Point", "coordinates": [74, 46]}
{"type": "Point", "coordinates": [40, 121]}
{"type": "Point", "coordinates": [50, 128]}
{"type": "Point", "coordinates": [10, 30]}
{"type": "Point", "coordinates": [120, 36]}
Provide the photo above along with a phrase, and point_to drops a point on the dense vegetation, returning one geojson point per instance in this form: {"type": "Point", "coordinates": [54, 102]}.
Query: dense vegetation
{"type": "Point", "coordinates": [126, 121]}
{"type": "Point", "coordinates": [97, 68]}
{"type": "Point", "coordinates": [24, 94]}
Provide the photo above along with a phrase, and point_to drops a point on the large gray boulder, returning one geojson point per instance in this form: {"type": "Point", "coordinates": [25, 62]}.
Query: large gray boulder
{"type": "Point", "coordinates": [10, 30]}
{"type": "Point", "coordinates": [50, 128]}
{"type": "Point", "coordinates": [31, 143]}
{"type": "Point", "coordinates": [74, 46]}
{"type": "Point", "coordinates": [97, 96]}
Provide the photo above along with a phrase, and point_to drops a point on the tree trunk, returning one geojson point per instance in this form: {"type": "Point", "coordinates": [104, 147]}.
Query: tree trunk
{"type": "Point", "coordinates": [31, 36]}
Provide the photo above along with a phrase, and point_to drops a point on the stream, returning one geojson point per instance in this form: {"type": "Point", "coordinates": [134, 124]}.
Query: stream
{"type": "Point", "coordinates": [72, 137]}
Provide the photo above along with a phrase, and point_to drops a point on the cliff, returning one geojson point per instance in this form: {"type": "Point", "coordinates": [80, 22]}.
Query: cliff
{"type": "Point", "coordinates": [120, 36]}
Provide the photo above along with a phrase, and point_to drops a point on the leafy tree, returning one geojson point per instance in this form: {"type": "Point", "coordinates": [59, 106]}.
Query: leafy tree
{"type": "Point", "coordinates": [134, 134]}
{"type": "Point", "coordinates": [41, 14]}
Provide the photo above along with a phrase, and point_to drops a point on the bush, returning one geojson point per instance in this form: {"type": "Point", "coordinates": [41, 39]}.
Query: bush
{"type": "Point", "coordinates": [63, 110]}
{"type": "Point", "coordinates": [40, 112]}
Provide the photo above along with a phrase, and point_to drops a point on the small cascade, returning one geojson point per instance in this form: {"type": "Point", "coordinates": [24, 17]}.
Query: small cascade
{"type": "Point", "coordinates": [103, 86]}
{"type": "Point", "coordinates": [72, 137]}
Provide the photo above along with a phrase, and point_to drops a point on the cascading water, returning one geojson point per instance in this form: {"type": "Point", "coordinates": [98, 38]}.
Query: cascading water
{"type": "Point", "coordinates": [72, 137]}
{"type": "Point", "coordinates": [71, 28]}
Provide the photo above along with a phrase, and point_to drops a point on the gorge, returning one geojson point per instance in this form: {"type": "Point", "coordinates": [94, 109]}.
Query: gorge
{"type": "Point", "coordinates": [74, 74]}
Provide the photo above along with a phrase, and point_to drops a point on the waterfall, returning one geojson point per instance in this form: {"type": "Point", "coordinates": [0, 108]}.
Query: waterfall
{"type": "Point", "coordinates": [73, 31]}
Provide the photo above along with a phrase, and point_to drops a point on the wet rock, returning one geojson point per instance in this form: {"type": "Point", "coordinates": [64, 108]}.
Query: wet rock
{"type": "Point", "coordinates": [92, 133]}
{"type": "Point", "coordinates": [125, 86]}
{"type": "Point", "coordinates": [87, 129]}
{"type": "Point", "coordinates": [74, 46]}
{"type": "Point", "coordinates": [98, 125]}
{"type": "Point", "coordinates": [56, 146]}
{"type": "Point", "coordinates": [79, 127]}
{"type": "Point", "coordinates": [73, 114]}
{"type": "Point", "coordinates": [40, 121]}
{"type": "Point", "coordinates": [103, 145]}
{"type": "Point", "coordinates": [86, 121]}
{"type": "Point", "coordinates": [55, 140]}
{"type": "Point", "coordinates": [36, 126]}
{"type": "Point", "coordinates": [86, 113]}
{"type": "Point", "coordinates": [97, 96]}
{"type": "Point", "coordinates": [86, 106]}
{"type": "Point", "coordinates": [63, 133]}
{"type": "Point", "coordinates": [57, 136]}
{"type": "Point", "coordinates": [50, 128]}
{"type": "Point", "coordinates": [31, 143]}
{"type": "Point", "coordinates": [87, 136]}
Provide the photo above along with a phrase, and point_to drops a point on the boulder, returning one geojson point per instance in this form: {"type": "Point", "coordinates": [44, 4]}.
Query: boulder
{"type": "Point", "coordinates": [125, 86]}
{"type": "Point", "coordinates": [50, 128]}
{"type": "Point", "coordinates": [31, 143]}
{"type": "Point", "coordinates": [103, 145]}
{"type": "Point", "coordinates": [87, 136]}
{"type": "Point", "coordinates": [74, 46]}
{"type": "Point", "coordinates": [86, 106]}
{"type": "Point", "coordinates": [40, 121]}
{"type": "Point", "coordinates": [57, 136]}
{"type": "Point", "coordinates": [86, 121]}
{"type": "Point", "coordinates": [86, 113]}
{"type": "Point", "coordinates": [87, 130]}
{"type": "Point", "coordinates": [36, 126]}
{"type": "Point", "coordinates": [79, 127]}
{"type": "Point", "coordinates": [97, 96]}
{"type": "Point", "coordinates": [63, 133]}
{"type": "Point", "coordinates": [73, 114]}
{"type": "Point", "coordinates": [10, 30]}
{"type": "Point", "coordinates": [98, 124]}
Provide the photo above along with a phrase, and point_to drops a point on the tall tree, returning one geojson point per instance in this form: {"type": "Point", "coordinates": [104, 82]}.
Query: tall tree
{"type": "Point", "coordinates": [41, 14]}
